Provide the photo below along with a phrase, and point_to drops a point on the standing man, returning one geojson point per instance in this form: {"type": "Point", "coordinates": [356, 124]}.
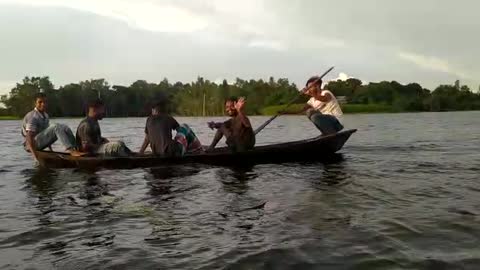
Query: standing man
{"type": "Point", "coordinates": [39, 134]}
{"type": "Point", "coordinates": [89, 136]}
{"type": "Point", "coordinates": [322, 108]}
{"type": "Point", "coordinates": [237, 130]}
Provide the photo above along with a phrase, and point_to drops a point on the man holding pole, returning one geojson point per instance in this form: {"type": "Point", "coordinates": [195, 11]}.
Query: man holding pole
{"type": "Point", "coordinates": [322, 108]}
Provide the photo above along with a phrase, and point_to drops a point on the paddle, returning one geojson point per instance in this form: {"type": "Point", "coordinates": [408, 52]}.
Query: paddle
{"type": "Point", "coordinates": [290, 103]}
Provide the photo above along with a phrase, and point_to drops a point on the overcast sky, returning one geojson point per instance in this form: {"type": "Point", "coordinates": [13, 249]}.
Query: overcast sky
{"type": "Point", "coordinates": [427, 41]}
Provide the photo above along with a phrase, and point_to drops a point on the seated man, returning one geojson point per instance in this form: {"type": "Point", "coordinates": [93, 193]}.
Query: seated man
{"type": "Point", "coordinates": [38, 132]}
{"type": "Point", "coordinates": [158, 134]}
{"type": "Point", "coordinates": [322, 108]}
{"type": "Point", "coordinates": [89, 136]}
{"type": "Point", "coordinates": [237, 130]}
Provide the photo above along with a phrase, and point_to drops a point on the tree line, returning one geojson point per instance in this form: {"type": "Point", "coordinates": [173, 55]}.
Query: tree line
{"type": "Point", "coordinates": [409, 97]}
{"type": "Point", "coordinates": [201, 97]}
{"type": "Point", "coordinates": [204, 97]}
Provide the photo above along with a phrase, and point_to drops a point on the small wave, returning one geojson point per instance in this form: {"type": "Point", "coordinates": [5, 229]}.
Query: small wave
{"type": "Point", "coordinates": [400, 148]}
{"type": "Point", "coordinates": [436, 263]}
{"type": "Point", "coordinates": [473, 189]}
{"type": "Point", "coordinates": [425, 164]}
{"type": "Point", "coordinates": [463, 212]}
{"type": "Point", "coordinates": [100, 240]}
{"type": "Point", "coordinates": [376, 263]}
{"type": "Point", "coordinates": [395, 226]}
{"type": "Point", "coordinates": [26, 238]}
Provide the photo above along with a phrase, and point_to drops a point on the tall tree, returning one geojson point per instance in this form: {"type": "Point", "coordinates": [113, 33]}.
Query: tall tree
{"type": "Point", "coordinates": [20, 101]}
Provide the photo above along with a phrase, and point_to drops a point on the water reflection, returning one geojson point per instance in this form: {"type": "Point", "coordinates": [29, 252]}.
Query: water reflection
{"type": "Point", "coordinates": [164, 185]}
{"type": "Point", "coordinates": [161, 180]}
{"type": "Point", "coordinates": [41, 181]}
{"type": "Point", "coordinates": [322, 209]}
{"type": "Point", "coordinates": [41, 184]}
{"type": "Point", "coordinates": [243, 173]}
{"type": "Point", "coordinates": [158, 181]}
{"type": "Point", "coordinates": [322, 175]}
{"type": "Point", "coordinates": [62, 202]}
{"type": "Point", "coordinates": [335, 174]}
{"type": "Point", "coordinates": [96, 207]}
{"type": "Point", "coordinates": [235, 180]}
{"type": "Point", "coordinates": [93, 189]}
{"type": "Point", "coordinates": [168, 172]}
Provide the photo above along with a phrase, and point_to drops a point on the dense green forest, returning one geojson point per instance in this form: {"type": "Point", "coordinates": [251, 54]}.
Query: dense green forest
{"type": "Point", "coordinates": [188, 99]}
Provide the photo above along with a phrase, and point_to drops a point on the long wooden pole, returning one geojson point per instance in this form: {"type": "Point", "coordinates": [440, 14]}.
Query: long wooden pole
{"type": "Point", "coordinates": [203, 106]}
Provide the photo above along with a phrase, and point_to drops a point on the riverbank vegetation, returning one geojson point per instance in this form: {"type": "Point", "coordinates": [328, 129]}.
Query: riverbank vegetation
{"type": "Point", "coordinates": [204, 97]}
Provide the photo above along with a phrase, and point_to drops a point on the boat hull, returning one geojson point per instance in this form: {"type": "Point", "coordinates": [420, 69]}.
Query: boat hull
{"type": "Point", "coordinates": [319, 148]}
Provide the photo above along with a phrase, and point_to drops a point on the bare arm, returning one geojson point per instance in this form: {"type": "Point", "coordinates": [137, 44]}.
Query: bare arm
{"type": "Point", "coordinates": [31, 144]}
{"type": "Point", "coordinates": [240, 105]}
{"type": "Point", "coordinates": [324, 98]}
{"type": "Point", "coordinates": [146, 142]}
{"type": "Point", "coordinates": [216, 139]}
{"type": "Point", "coordinates": [214, 125]}
{"type": "Point", "coordinates": [244, 119]}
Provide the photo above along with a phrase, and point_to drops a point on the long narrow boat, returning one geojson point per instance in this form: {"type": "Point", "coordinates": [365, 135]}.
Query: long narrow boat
{"type": "Point", "coordinates": [319, 148]}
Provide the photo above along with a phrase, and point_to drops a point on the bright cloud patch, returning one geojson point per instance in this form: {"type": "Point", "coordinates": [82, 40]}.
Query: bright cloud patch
{"type": "Point", "coordinates": [268, 44]}
{"type": "Point", "coordinates": [342, 77]}
{"type": "Point", "coordinates": [249, 22]}
{"type": "Point", "coordinates": [5, 86]}
{"type": "Point", "coordinates": [431, 63]}
{"type": "Point", "coordinates": [144, 15]}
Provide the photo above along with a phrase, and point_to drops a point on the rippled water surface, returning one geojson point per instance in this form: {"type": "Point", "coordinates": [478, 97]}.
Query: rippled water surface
{"type": "Point", "coordinates": [405, 195]}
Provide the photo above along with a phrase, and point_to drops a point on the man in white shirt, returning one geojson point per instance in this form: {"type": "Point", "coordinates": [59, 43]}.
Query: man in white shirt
{"type": "Point", "coordinates": [38, 132]}
{"type": "Point", "coordinates": [322, 108]}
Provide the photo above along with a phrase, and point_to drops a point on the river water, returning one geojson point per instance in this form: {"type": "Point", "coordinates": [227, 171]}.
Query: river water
{"type": "Point", "coordinates": [405, 195]}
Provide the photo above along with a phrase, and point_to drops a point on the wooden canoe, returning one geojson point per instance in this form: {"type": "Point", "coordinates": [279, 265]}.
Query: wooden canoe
{"type": "Point", "coordinates": [319, 148]}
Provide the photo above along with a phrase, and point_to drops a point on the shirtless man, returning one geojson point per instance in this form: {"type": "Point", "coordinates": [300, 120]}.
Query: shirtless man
{"type": "Point", "coordinates": [237, 130]}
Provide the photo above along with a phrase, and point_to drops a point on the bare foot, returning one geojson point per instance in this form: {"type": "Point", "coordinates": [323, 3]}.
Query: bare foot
{"type": "Point", "coordinates": [76, 153]}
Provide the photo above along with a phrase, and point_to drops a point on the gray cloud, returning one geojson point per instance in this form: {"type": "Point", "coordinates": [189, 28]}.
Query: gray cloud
{"type": "Point", "coordinates": [430, 28]}
{"type": "Point", "coordinates": [407, 41]}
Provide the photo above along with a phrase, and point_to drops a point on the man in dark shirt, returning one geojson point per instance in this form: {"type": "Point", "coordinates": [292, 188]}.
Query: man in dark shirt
{"type": "Point", "coordinates": [89, 136]}
{"type": "Point", "coordinates": [237, 130]}
{"type": "Point", "coordinates": [158, 134]}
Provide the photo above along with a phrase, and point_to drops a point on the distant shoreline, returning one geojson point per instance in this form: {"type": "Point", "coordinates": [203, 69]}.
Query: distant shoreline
{"type": "Point", "coordinates": [272, 110]}
{"type": "Point", "coordinates": [346, 108]}
{"type": "Point", "coordinates": [9, 118]}
{"type": "Point", "coordinates": [349, 109]}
